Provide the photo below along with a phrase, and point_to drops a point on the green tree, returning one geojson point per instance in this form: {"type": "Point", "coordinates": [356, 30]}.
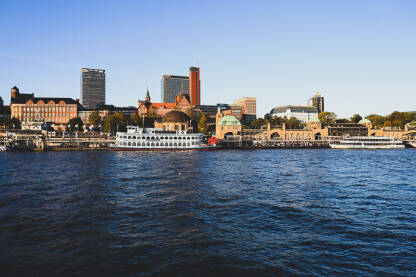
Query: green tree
{"type": "Point", "coordinates": [376, 120]}
{"type": "Point", "coordinates": [327, 118]}
{"type": "Point", "coordinates": [75, 124]}
{"type": "Point", "coordinates": [135, 120]}
{"type": "Point", "coordinates": [114, 122]}
{"type": "Point", "coordinates": [293, 123]}
{"type": "Point", "coordinates": [94, 119]}
{"type": "Point", "coordinates": [409, 117]}
{"type": "Point", "coordinates": [356, 118]}
{"type": "Point", "coordinates": [202, 123]}
{"type": "Point", "coordinates": [258, 123]}
{"type": "Point", "coordinates": [397, 119]}
{"type": "Point", "coordinates": [342, 120]}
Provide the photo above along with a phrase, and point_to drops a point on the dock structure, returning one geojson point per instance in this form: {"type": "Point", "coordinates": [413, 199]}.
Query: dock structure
{"type": "Point", "coordinates": [249, 143]}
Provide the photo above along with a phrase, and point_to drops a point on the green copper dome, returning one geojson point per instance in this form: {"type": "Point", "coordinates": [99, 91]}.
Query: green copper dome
{"type": "Point", "coordinates": [364, 121]}
{"type": "Point", "coordinates": [229, 120]}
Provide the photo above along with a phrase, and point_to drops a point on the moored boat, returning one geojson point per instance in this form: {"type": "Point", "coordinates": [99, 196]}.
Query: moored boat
{"type": "Point", "coordinates": [367, 143]}
{"type": "Point", "coordinates": [136, 139]}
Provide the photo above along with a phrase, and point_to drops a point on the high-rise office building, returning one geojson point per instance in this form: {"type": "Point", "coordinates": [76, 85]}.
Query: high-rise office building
{"type": "Point", "coordinates": [317, 101]}
{"type": "Point", "coordinates": [249, 112]}
{"type": "Point", "coordinates": [92, 87]}
{"type": "Point", "coordinates": [194, 86]}
{"type": "Point", "coordinates": [172, 86]}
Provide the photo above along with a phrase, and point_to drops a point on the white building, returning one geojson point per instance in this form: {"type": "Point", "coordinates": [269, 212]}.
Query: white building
{"type": "Point", "coordinates": [302, 113]}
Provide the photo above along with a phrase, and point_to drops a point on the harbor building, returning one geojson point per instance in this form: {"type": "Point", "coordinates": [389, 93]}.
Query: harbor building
{"type": "Point", "coordinates": [248, 113]}
{"type": "Point", "coordinates": [92, 87]}
{"type": "Point", "coordinates": [147, 108]}
{"type": "Point", "coordinates": [226, 125]}
{"type": "Point", "coordinates": [172, 86]}
{"type": "Point", "coordinates": [194, 86]}
{"type": "Point", "coordinates": [317, 101]}
{"type": "Point", "coordinates": [174, 121]}
{"type": "Point", "coordinates": [302, 113]}
{"type": "Point", "coordinates": [28, 108]}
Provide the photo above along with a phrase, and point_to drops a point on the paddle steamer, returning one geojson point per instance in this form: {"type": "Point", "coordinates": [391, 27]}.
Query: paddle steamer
{"type": "Point", "coordinates": [158, 139]}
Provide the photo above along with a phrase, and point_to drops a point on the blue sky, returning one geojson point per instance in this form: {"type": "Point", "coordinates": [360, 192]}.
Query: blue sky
{"type": "Point", "coordinates": [361, 55]}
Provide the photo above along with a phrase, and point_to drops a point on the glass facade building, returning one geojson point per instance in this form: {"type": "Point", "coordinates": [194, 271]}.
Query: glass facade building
{"type": "Point", "coordinates": [172, 86]}
{"type": "Point", "coordinates": [92, 87]}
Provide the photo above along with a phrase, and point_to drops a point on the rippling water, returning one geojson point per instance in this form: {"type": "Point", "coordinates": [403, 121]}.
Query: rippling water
{"type": "Point", "coordinates": [271, 212]}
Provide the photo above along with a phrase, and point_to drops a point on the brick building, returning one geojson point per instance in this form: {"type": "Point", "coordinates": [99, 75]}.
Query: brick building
{"type": "Point", "coordinates": [28, 108]}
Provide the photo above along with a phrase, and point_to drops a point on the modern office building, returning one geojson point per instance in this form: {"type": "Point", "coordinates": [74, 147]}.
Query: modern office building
{"type": "Point", "coordinates": [194, 86]}
{"type": "Point", "coordinates": [248, 104]}
{"type": "Point", "coordinates": [249, 109]}
{"type": "Point", "coordinates": [172, 86]}
{"type": "Point", "coordinates": [317, 101]}
{"type": "Point", "coordinates": [301, 113]}
{"type": "Point", "coordinates": [92, 87]}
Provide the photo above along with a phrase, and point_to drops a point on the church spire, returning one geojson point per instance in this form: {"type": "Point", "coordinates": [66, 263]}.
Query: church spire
{"type": "Point", "coordinates": [147, 95]}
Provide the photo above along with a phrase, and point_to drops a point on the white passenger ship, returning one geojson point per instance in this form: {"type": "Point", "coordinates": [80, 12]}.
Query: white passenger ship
{"type": "Point", "coordinates": [367, 143]}
{"type": "Point", "coordinates": [158, 139]}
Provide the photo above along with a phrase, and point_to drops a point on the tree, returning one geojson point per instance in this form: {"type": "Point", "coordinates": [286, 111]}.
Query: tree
{"type": "Point", "coordinates": [356, 118]}
{"type": "Point", "coordinates": [327, 118]}
{"type": "Point", "coordinates": [397, 119]}
{"type": "Point", "coordinates": [95, 119]}
{"type": "Point", "coordinates": [376, 120]}
{"type": "Point", "coordinates": [202, 123]}
{"type": "Point", "coordinates": [256, 124]}
{"type": "Point", "coordinates": [293, 123]}
{"type": "Point", "coordinates": [75, 124]}
{"type": "Point", "coordinates": [342, 120]}
{"type": "Point", "coordinates": [135, 120]}
{"type": "Point", "coordinates": [115, 122]}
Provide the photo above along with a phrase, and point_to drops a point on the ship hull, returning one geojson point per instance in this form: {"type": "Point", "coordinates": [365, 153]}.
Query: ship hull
{"type": "Point", "coordinates": [115, 148]}
{"type": "Point", "coordinates": [367, 147]}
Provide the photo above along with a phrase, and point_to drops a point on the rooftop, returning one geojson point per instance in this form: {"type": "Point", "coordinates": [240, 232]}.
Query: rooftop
{"type": "Point", "coordinates": [229, 120]}
{"type": "Point", "coordinates": [282, 109]}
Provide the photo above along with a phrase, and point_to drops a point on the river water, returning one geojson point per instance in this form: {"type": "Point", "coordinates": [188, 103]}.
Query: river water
{"type": "Point", "coordinates": [235, 213]}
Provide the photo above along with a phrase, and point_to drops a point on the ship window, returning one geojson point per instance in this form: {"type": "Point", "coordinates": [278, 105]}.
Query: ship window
{"type": "Point", "coordinates": [139, 144]}
{"type": "Point", "coordinates": [188, 138]}
{"type": "Point", "coordinates": [157, 143]}
{"type": "Point", "coordinates": [129, 137]}
{"type": "Point", "coordinates": [166, 137]}
{"type": "Point", "coordinates": [148, 144]}
{"type": "Point", "coordinates": [170, 144]}
{"type": "Point", "coordinates": [134, 137]}
{"type": "Point", "coordinates": [153, 144]}
{"type": "Point", "coordinates": [175, 144]}
{"type": "Point", "coordinates": [188, 144]}
{"type": "Point", "coordinates": [162, 137]}
{"type": "Point", "coordinates": [166, 144]}
{"type": "Point", "coordinates": [179, 144]}
{"type": "Point", "coordinates": [148, 137]}
{"type": "Point", "coordinates": [134, 144]}
{"type": "Point", "coordinates": [175, 138]}
{"type": "Point", "coordinates": [129, 144]}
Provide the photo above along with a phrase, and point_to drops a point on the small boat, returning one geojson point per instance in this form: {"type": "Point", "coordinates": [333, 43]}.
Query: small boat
{"type": "Point", "coordinates": [367, 143]}
{"type": "Point", "coordinates": [136, 139]}
{"type": "Point", "coordinates": [412, 144]}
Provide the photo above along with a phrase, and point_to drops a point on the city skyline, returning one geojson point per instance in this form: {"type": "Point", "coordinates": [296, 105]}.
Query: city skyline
{"type": "Point", "coordinates": [359, 56]}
